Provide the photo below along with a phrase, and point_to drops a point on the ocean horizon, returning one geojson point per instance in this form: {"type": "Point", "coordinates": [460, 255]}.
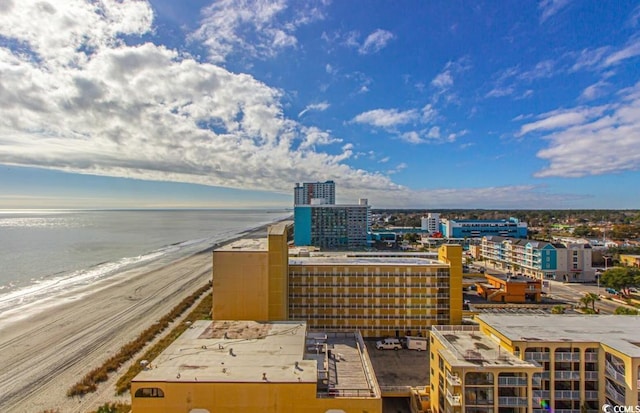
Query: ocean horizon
{"type": "Point", "coordinates": [50, 252]}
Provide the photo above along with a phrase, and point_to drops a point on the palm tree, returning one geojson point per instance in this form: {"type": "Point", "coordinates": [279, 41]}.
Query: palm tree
{"type": "Point", "coordinates": [593, 297]}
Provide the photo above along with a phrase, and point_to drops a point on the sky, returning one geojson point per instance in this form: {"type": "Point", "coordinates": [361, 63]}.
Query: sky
{"type": "Point", "coordinates": [410, 104]}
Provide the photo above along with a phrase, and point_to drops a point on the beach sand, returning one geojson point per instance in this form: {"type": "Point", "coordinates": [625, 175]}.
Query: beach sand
{"type": "Point", "coordinates": [42, 356]}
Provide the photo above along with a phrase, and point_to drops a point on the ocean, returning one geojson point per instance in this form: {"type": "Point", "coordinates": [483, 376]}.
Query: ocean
{"type": "Point", "coordinates": [44, 253]}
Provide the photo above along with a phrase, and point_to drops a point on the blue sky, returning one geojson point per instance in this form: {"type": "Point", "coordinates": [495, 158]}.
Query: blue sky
{"type": "Point", "coordinates": [412, 104]}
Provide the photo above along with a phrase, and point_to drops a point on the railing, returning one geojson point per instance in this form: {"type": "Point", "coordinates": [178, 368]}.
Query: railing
{"type": "Point", "coordinates": [567, 395]}
{"type": "Point", "coordinates": [454, 399]}
{"type": "Point", "coordinates": [542, 394]}
{"type": "Point", "coordinates": [453, 379]}
{"type": "Point", "coordinates": [512, 401]}
{"type": "Point", "coordinates": [614, 394]}
{"type": "Point", "coordinates": [537, 356]}
{"type": "Point", "coordinates": [591, 375]}
{"type": "Point", "coordinates": [336, 393]}
{"type": "Point", "coordinates": [591, 395]}
{"type": "Point", "coordinates": [560, 356]}
{"type": "Point", "coordinates": [613, 373]}
{"type": "Point", "coordinates": [512, 381]}
{"type": "Point", "coordinates": [567, 375]}
{"type": "Point", "coordinates": [591, 357]}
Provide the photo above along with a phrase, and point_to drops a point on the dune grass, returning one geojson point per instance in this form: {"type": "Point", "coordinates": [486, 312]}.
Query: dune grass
{"type": "Point", "coordinates": [89, 383]}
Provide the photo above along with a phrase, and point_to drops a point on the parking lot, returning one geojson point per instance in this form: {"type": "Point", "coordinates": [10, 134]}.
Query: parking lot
{"type": "Point", "coordinates": [399, 368]}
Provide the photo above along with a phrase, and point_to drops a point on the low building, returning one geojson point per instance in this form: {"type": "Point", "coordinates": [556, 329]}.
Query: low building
{"type": "Point", "coordinates": [245, 366]}
{"type": "Point", "coordinates": [477, 228]}
{"type": "Point", "coordinates": [377, 293]}
{"type": "Point", "coordinates": [536, 363]}
{"type": "Point", "coordinates": [539, 259]}
{"type": "Point", "coordinates": [630, 260]}
{"type": "Point", "coordinates": [510, 289]}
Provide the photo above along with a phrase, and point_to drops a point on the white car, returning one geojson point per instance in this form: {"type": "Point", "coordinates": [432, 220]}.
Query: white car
{"type": "Point", "coordinates": [389, 344]}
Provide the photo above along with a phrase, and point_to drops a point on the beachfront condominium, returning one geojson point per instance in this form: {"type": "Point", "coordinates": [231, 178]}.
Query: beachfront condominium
{"type": "Point", "coordinates": [431, 223]}
{"type": "Point", "coordinates": [247, 366]}
{"type": "Point", "coordinates": [332, 227]}
{"type": "Point", "coordinates": [535, 363]}
{"type": "Point", "coordinates": [309, 193]}
{"type": "Point", "coordinates": [379, 294]}
{"type": "Point", "coordinates": [539, 259]}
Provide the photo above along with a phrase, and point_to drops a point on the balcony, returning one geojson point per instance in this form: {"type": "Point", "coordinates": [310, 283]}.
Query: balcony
{"type": "Point", "coordinates": [567, 395]}
{"type": "Point", "coordinates": [567, 375]}
{"type": "Point", "coordinates": [453, 379]}
{"type": "Point", "coordinates": [591, 395]}
{"type": "Point", "coordinates": [613, 393]}
{"type": "Point", "coordinates": [541, 395]}
{"type": "Point", "coordinates": [591, 375]}
{"type": "Point", "coordinates": [567, 356]}
{"type": "Point", "coordinates": [512, 381]}
{"type": "Point", "coordinates": [512, 401]}
{"type": "Point", "coordinates": [613, 373]}
{"type": "Point", "coordinates": [537, 356]}
{"type": "Point", "coordinates": [592, 357]}
{"type": "Point", "coordinates": [454, 399]}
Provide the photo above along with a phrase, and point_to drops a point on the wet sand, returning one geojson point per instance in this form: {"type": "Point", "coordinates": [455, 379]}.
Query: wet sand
{"type": "Point", "coordinates": [43, 355]}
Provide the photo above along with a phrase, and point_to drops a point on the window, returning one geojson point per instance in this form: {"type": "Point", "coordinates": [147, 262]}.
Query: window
{"type": "Point", "coordinates": [149, 392]}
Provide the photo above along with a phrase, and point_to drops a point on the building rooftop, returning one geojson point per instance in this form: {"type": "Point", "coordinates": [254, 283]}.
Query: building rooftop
{"type": "Point", "coordinates": [250, 351]}
{"type": "Point", "coordinates": [512, 278]}
{"type": "Point", "coordinates": [346, 259]}
{"type": "Point", "coordinates": [619, 332]}
{"type": "Point", "coordinates": [246, 244]}
{"type": "Point", "coordinates": [466, 346]}
{"type": "Point", "coordinates": [235, 351]}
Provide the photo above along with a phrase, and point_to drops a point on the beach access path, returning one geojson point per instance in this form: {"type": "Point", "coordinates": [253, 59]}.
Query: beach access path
{"type": "Point", "coordinates": [42, 356]}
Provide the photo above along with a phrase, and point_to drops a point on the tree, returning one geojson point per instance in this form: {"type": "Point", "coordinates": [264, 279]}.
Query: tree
{"type": "Point", "coordinates": [621, 278]}
{"type": "Point", "coordinates": [557, 309]}
{"type": "Point", "coordinates": [592, 298]}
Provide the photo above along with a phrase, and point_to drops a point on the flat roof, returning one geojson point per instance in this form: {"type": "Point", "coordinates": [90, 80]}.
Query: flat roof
{"type": "Point", "coordinates": [235, 351]}
{"type": "Point", "coordinates": [362, 260]}
{"type": "Point", "coordinates": [467, 346]}
{"type": "Point", "coordinates": [617, 331]}
{"type": "Point", "coordinates": [246, 244]}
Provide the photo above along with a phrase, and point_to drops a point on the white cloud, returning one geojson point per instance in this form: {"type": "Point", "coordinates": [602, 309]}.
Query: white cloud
{"type": "Point", "coordinates": [429, 113]}
{"type": "Point", "coordinates": [386, 118]}
{"type": "Point", "coordinates": [594, 91]}
{"type": "Point", "coordinates": [443, 80]}
{"type": "Point", "coordinates": [600, 141]}
{"type": "Point", "coordinates": [376, 41]}
{"type": "Point", "coordinates": [321, 107]}
{"type": "Point", "coordinates": [412, 137]}
{"type": "Point", "coordinates": [561, 119]}
{"type": "Point", "coordinates": [91, 104]}
{"type": "Point", "coordinates": [253, 27]}
{"type": "Point", "coordinates": [434, 133]}
{"type": "Point", "coordinates": [497, 92]}
{"type": "Point", "coordinates": [631, 49]}
{"type": "Point", "coordinates": [549, 8]}
{"type": "Point", "coordinates": [635, 17]}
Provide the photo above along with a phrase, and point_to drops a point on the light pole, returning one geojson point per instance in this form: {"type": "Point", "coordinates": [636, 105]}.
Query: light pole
{"type": "Point", "coordinates": [605, 270]}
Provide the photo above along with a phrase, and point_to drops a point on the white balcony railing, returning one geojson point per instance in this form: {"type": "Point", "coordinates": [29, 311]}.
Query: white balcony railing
{"type": "Point", "coordinates": [613, 373]}
{"type": "Point", "coordinates": [567, 395]}
{"type": "Point", "coordinates": [567, 375]}
{"type": "Point", "coordinates": [537, 356]}
{"type": "Point", "coordinates": [567, 356]}
{"type": "Point", "coordinates": [453, 379]}
{"type": "Point", "coordinates": [512, 401]}
{"type": "Point", "coordinates": [614, 394]}
{"type": "Point", "coordinates": [454, 399]}
{"type": "Point", "coordinates": [512, 381]}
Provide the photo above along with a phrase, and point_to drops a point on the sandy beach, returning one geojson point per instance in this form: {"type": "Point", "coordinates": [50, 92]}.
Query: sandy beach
{"type": "Point", "coordinates": [43, 355]}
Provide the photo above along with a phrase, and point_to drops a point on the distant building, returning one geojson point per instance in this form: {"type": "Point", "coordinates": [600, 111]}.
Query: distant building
{"type": "Point", "coordinates": [379, 294]}
{"type": "Point", "coordinates": [630, 260]}
{"type": "Point", "coordinates": [310, 193]}
{"type": "Point", "coordinates": [535, 363]}
{"type": "Point", "coordinates": [470, 228]}
{"type": "Point", "coordinates": [247, 366]}
{"type": "Point", "coordinates": [540, 259]}
{"type": "Point", "coordinates": [430, 223]}
{"type": "Point", "coordinates": [510, 289]}
{"type": "Point", "coordinates": [332, 227]}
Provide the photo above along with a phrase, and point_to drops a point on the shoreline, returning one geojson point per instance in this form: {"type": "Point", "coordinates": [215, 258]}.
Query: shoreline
{"type": "Point", "coordinates": [49, 351]}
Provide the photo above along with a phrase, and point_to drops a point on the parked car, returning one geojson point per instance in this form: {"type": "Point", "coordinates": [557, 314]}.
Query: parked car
{"type": "Point", "coordinates": [389, 344]}
{"type": "Point", "coordinates": [611, 291]}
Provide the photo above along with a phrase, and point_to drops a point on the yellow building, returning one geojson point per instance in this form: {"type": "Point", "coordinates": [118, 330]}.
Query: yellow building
{"type": "Point", "coordinates": [629, 260]}
{"type": "Point", "coordinates": [536, 363]}
{"type": "Point", "coordinates": [247, 366]}
{"type": "Point", "coordinates": [377, 294]}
